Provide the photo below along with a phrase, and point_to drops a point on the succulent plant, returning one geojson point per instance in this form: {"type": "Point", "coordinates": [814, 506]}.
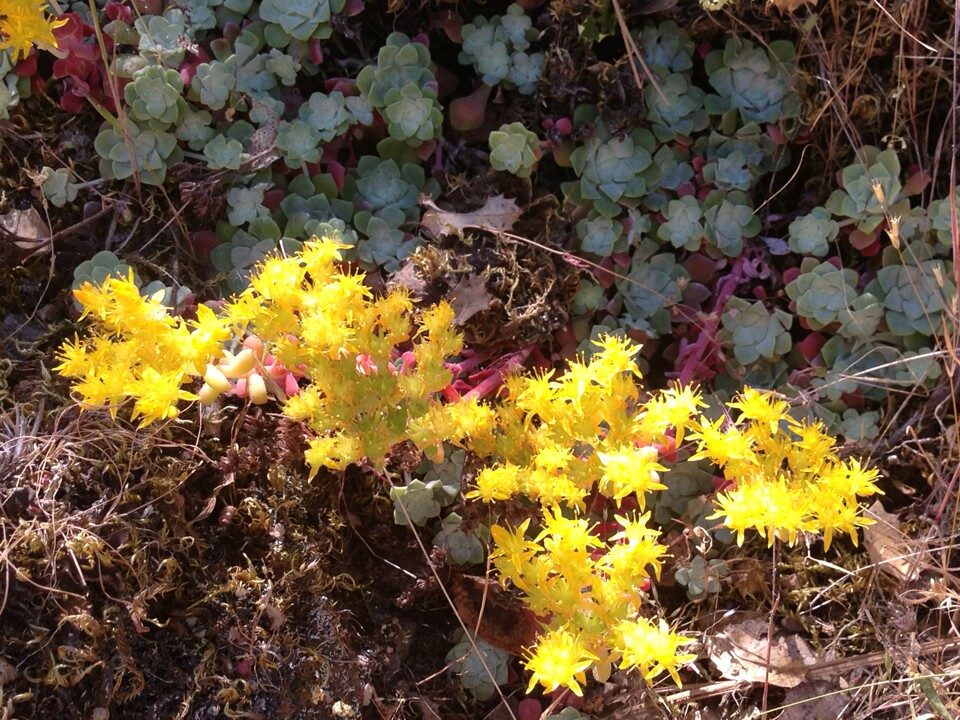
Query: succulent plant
{"type": "Point", "coordinates": [728, 219]}
{"type": "Point", "coordinates": [163, 38]}
{"type": "Point", "coordinates": [412, 113]}
{"type": "Point", "coordinates": [940, 222]}
{"type": "Point", "coordinates": [496, 48]}
{"type": "Point", "coordinates": [474, 662]}
{"type": "Point", "coordinates": [463, 548]}
{"type": "Point", "coordinates": [223, 153]}
{"type": "Point", "coordinates": [377, 185]}
{"type": "Point", "coordinates": [825, 294]}
{"type": "Point", "coordinates": [868, 368]}
{"type": "Point", "coordinates": [301, 20]}
{"type": "Point", "coordinates": [514, 149]}
{"type": "Point", "coordinates": [666, 48]}
{"type": "Point", "coordinates": [154, 97]}
{"type": "Point", "coordinates": [914, 296]}
{"type": "Point", "coordinates": [423, 499]}
{"type": "Point", "coordinates": [599, 235]}
{"type": "Point", "coordinates": [400, 62]}
{"type": "Point", "coordinates": [675, 107]}
{"type": "Point", "coordinates": [683, 227]}
{"type": "Point", "coordinates": [701, 577]}
{"type": "Point", "coordinates": [858, 427]}
{"type": "Point", "coordinates": [12, 86]}
{"type": "Point", "coordinates": [147, 153]}
{"type": "Point", "coordinates": [615, 171]}
{"type": "Point", "coordinates": [297, 142]}
{"type": "Point", "coordinates": [812, 233]}
{"type": "Point", "coordinates": [213, 82]}
{"type": "Point", "coordinates": [245, 204]}
{"type": "Point", "coordinates": [864, 184]}
{"type": "Point", "coordinates": [654, 283]}
{"type": "Point", "coordinates": [385, 242]}
{"type": "Point", "coordinates": [98, 268]}
{"type": "Point", "coordinates": [731, 171]}
{"type": "Point", "coordinates": [310, 202]}
{"type": "Point", "coordinates": [675, 168]}
{"type": "Point", "coordinates": [753, 332]}
{"type": "Point", "coordinates": [57, 187]}
{"type": "Point", "coordinates": [685, 482]}
{"type": "Point", "coordinates": [756, 82]}
{"type": "Point", "coordinates": [284, 67]}
{"type": "Point", "coordinates": [590, 297]}
{"type": "Point", "coordinates": [332, 115]}
{"type": "Point", "coordinates": [194, 128]}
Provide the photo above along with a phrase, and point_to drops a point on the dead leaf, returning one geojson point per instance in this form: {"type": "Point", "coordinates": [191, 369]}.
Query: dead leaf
{"type": "Point", "coordinates": [29, 228]}
{"type": "Point", "coordinates": [506, 623]}
{"type": "Point", "coordinates": [739, 652]}
{"type": "Point", "coordinates": [813, 701]}
{"type": "Point", "coordinates": [498, 214]}
{"type": "Point", "coordinates": [468, 297]}
{"type": "Point", "coordinates": [888, 548]}
{"type": "Point", "coordinates": [789, 6]}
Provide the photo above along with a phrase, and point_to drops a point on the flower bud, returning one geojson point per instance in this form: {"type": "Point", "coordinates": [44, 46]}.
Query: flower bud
{"type": "Point", "coordinates": [239, 365]}
{"type": "Point", "coordinates": [207, 395]}
{"type": "Point", "coordinates": [215, 379]}
{"type": "Point", "coordinates": [257, 389]}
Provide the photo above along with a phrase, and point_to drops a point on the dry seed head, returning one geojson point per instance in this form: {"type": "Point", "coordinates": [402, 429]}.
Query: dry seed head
{"type": "Point", "coordinates": [878, 192]}
{"type": "Point", "coordinates": [894, 231]}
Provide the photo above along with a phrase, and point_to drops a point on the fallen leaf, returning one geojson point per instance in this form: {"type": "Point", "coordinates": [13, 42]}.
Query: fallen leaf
{"type": "Point", "coordinates": [739, 652]}
{"type": "Point", "coordinates": [468, 297]}
{"type": "Point", "coordinates": [813, 701]}
{"type": "Point", "coordinates": [887, 546]}
{"type": "Point", "coordinates": [497, 214]}
{"type": "Point", "coordinates": [789, 6]}
{"type": "Point", "coordinates": [506, 623]}
{"type": "Point", "coordinates": [29, 228]}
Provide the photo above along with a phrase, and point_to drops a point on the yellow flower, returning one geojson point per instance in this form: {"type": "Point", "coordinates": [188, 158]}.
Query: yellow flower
{"type": "Point", "coordinates": [651, 648]}
{"type": "Point", "coordinates": [630, 471]}
{"type": "Point", "coordinates": [24, 23]}
{"type": "Point", "coordinates": [559, 658]}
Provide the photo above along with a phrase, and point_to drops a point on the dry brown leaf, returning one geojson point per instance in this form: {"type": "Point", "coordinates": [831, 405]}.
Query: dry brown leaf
{"type": "Point", "coordinates": [29, 228]}
{"type": "Point", "coordinates": [498, 213]}
{"type": "Point", "coordinates": [739, 652]}
{"type": "Point", "coordinates": [789, 6]}
{"type": "Point", "coordinates": [500, 618]}
{"type": "Point", "coordinates": [468, 297]}
{"type": "Point", "coordinates": [892, 551]}
{"type": "Point", "coordinates": [813, 701]}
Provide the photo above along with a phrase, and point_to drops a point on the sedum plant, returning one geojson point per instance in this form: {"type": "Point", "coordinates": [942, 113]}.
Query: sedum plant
{"type": "Point", "coordinates": [812, 233]}
{"type": "Point", "coordinates": [57, 187]}
{"type": "Point", "coordinates": [824, 294]}
{"type": "Point", "coordinates": [301, 20]}
{"type": "Point", "coordinates": [914, 296]}
{"type": "Point", "coordinates": [154, 97]}
{"type": "Point", "coordinates": [134, 151]}
{"type": "Point", "coordinates": [496, 47]}
{"type": "Point", "coordinates": [514, 149]}
{"type": "Point", "coordinates": [403, 88]}
{"type": "Point", "coordinates": [869, 190]}
{"type": "Point", "coordinates": [754, 332]}
{"type": "Point", "coordinates": [615, 171]}
{"type": "Point", "coordinates": [653, 285]}
{"type": "Point", "coordinates": [370, 374]}
{"type": "Point", "coordinates": [755, 82]}
{"type": "Point", "coordinates": [675, 107]}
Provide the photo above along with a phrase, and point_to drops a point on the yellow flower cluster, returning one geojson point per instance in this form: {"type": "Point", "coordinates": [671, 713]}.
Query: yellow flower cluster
{"type": "Point", "coordinates": [786, 475]}
{"type": "Point", "coordinates": [365, 394]}
{"type": "Point", "coordinates": [560, 440]}
{"type": "Point", "coordinates": [576, 443]}
{"type": "Point", "coordinates": [301, 313]}
{"type": "Point", "coordinates": [24, 23]}
{"type": "Point", "coordinates": [138, 351]}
